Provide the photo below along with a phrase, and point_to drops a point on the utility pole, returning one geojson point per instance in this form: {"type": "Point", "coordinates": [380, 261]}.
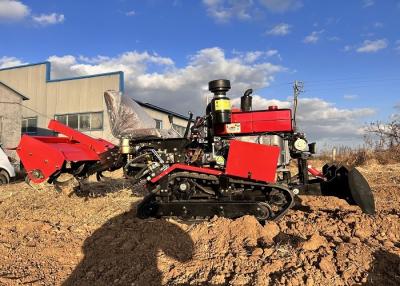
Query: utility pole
{"type": "Point", "coordinates": [298, 87]}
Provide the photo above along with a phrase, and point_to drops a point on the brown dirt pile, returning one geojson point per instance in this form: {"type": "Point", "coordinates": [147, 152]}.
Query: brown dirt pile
{"type": "Point", "coordinates": [49, 238]}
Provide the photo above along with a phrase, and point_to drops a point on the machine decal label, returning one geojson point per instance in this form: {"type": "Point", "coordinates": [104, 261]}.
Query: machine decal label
{"type": "Point", "coordinates": [222, 104]}
{"type": "Point", "coordinates": [233, 128]}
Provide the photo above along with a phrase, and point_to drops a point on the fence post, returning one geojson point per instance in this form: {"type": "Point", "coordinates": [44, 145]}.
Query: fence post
{"type": "Point", "coordinates": [334, 151]}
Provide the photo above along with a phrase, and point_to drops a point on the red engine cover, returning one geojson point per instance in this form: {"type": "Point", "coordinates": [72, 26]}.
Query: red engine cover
{"type": "Point", "coordinates": [252, 161]}
{"type": "Point", "coordinates": [260, 121]}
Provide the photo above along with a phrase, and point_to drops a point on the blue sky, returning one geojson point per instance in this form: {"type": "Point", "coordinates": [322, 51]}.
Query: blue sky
{"type": "Point", "coordinates": [346, 52]}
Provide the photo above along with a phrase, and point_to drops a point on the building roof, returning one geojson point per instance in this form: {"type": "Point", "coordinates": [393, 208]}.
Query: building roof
{"type": "Point", "coordinates": [13, 90]}
{"type": "Point", "coordinates": [154, 107]}
{"type": "Point", "coordinates": [48, 72]}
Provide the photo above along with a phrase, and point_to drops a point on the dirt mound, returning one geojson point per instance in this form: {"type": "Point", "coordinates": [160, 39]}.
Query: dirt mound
{"type": "Point", "coordinates": [49, 238]}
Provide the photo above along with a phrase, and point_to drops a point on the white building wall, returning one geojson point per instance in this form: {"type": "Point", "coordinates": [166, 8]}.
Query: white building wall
{"type": "Point", "coordinates": [82, 95]}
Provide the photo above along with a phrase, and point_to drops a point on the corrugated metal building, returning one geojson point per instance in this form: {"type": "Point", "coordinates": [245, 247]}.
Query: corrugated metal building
{"type": "Point", "coordinates": [76, 101]}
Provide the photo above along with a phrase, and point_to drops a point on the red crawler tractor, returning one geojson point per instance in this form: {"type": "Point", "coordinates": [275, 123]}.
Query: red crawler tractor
{"type": "Point", "coordinates": [228, 163]}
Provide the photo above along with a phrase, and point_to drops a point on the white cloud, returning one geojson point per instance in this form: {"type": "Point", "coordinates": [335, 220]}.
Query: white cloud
{"type": "Point", "coordinates": [225, 10]}
{"type": "Point", "coordinates": [282, 5]}
{"type": "Point", "coordinates": [49, 19]}
{"type": "Point", "coordinates": [313, 37]}
{"type": "Point", "coordinates": [271, 53]}
{"type": "Point", "coordinates": [368, 3]}
{"type": "Point", "coordinates": [6, 62]}
{"type": "Point", "coordinates": [14, 10]}
{"type": "Point", "coordinates": [378, 25]}
{"type": "Point", "coordinates": [132, 63]}
{"type": "Point", "coordinates": [130, 13]}
{"type": "Point", "coordinates": [153, 78]}
{"type": "Point", "coordinates": [322, 120]}
{"type": "Point", "coordinates": [281, 29]}
{"type": "Point", "coordinates": [350, 96]}
{"type": "Point", "coordinates": [253, 56]}
{"type": "Point", "coordinates": [372, 46]}
{"type": "Point", "coordinates": [11, 10]}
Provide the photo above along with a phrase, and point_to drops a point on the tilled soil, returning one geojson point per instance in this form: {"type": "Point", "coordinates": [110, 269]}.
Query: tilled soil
{"type": "Point", "coordinates": [49, 238]}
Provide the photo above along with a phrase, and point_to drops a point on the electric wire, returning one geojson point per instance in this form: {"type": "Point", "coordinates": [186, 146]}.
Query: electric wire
{"type": "Point", "coordinates": [341, 82]}
{"type": "Point", "coordinates": [26, 107]}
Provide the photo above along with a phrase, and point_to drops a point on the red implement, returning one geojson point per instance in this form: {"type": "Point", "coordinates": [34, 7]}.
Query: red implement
{"type": "Point", "coordinates": [44, 156]}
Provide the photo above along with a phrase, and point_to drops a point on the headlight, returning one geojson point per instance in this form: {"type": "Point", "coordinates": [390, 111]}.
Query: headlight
{"type": "Point", "coordinates": [300, 144]}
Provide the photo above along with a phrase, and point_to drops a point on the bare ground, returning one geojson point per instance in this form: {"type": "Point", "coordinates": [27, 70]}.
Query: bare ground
{"type": "Point", "coordinates": [49, 238]}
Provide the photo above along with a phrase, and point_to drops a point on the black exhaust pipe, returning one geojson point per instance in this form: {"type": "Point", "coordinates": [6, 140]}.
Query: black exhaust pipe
{"type": "Point", "coordinates": [246, 100]}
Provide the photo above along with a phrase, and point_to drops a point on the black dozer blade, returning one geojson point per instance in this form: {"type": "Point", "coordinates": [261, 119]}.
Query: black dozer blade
{"type": "Point", "coordinates": [348, 184]}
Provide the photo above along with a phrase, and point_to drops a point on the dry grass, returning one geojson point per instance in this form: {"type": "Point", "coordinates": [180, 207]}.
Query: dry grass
{"type": "Point", "coordinates": [363, 156]}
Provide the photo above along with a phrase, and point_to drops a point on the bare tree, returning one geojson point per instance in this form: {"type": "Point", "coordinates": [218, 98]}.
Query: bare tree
{"type": "Point", "coordinates": [383, 135]}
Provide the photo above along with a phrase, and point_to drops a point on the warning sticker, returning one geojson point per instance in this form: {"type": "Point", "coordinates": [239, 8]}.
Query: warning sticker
{"type": "Point", "coordinates": [222, 104]}
{"type": "Point", "coordinates": [233, 128]}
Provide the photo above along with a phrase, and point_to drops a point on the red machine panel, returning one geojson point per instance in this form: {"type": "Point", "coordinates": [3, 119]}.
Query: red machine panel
{"type": "Point", "coordinates": [36, 154]}
{"type": "Point", "coordinates": [252, 161]}
{"type": "Point", "coordinates": [46, 155]}
{"type": "Point", "coordinates": [260, 121]}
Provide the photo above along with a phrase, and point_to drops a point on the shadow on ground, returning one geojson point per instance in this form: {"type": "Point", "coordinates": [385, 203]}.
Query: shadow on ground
{"type": "Point", "coordinates": [102, 188]}
{"type": "Point", "coordinates": [385, 270]}
{"type": "Point", "coordinates": [125, 251]}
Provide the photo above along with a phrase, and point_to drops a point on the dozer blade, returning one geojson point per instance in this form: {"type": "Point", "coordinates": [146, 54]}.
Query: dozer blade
{"type": "Point", "coordinates": [349, 185]}
{"type": "Point", "coordinates": [361, 192]}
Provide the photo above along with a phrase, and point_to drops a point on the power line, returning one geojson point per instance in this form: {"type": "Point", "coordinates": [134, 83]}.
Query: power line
{"type": "Point", "coordinates": [354, 79]}
{"type": "Point", "coordinates": [340, 81]}
{"type": "Point", "coordinates": [370, 82]}
{"type": "Point", "coordinates": [326, 89]}
{"type": "Point", "coordinates": [18, 103]}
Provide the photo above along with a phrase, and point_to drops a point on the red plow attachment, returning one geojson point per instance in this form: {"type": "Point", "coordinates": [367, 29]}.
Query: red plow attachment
{"type": "Point", "coordinates": [45, 158]}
